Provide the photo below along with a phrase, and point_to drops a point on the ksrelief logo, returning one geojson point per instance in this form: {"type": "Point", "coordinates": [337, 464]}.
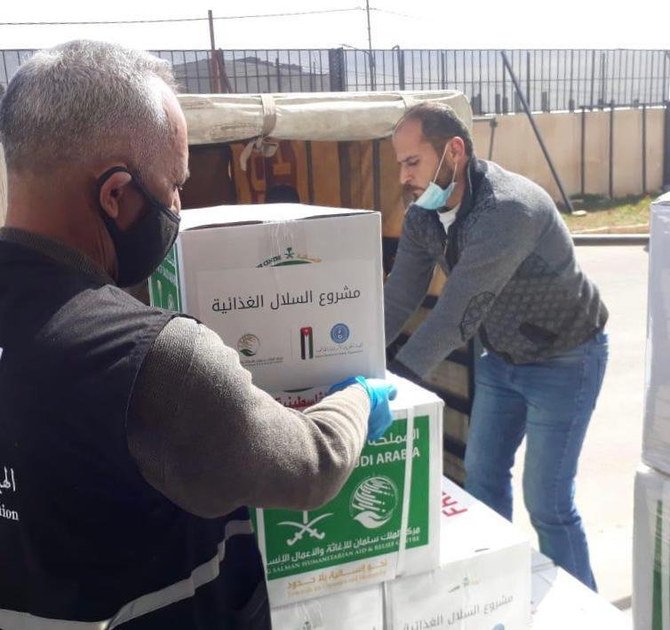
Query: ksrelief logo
{"type": "Point", "coordinates": [373, 502]}
{"type": "Point", "coordinates": [339, 333]}
{"type": "Point", "coordinates": [248, 345]}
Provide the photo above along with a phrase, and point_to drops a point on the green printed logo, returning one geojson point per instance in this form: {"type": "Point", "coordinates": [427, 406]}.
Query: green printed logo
{"type": "Point", "coordinates": [307, 526]}
{"type": "Point", "coordinates": [657, 584]}
{"type": "Point", "coordinates": [364, 520]}
{"type": "Point", "coordinates": [373, 502]}
{"type": "Point", "coordinates": [287, 257]}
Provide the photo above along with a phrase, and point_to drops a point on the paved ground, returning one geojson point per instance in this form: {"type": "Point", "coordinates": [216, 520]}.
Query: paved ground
{"type": "Point", "coordinates": [612, 449]}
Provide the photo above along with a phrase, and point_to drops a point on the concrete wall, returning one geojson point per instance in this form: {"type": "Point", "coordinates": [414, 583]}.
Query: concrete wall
{"type": "Point", "coordinates": [516, 148]}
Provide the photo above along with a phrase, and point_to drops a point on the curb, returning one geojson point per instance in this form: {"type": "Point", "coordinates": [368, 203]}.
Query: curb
{"type": "Point", "coordinates": [610, 239]}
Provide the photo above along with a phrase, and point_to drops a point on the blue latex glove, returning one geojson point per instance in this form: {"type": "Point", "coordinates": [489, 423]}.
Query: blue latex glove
{"type": "Point", "coordinates": [380, 392]}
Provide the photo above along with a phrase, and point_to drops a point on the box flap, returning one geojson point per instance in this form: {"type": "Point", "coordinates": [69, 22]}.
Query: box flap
{"type": "Point", "coordinates": [663, 200]}
{"type": "Point", "coordinates": [216, 216]}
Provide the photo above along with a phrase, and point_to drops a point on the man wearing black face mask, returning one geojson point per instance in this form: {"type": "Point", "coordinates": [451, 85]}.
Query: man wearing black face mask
{"type": "Point", "coordinates": [140, 248]}
{"type": "Point", "coordinates": [132, 438]}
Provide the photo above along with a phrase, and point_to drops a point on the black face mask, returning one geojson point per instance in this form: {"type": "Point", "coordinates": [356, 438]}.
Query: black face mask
{"type": "Point", "coordinates": [144, 245]}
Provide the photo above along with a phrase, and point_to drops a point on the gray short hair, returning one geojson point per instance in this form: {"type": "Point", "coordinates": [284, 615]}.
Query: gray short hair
{"type": "Point", "coordinates": [85, 101]}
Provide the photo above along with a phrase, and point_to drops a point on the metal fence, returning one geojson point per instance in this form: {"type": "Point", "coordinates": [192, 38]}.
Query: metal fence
{"type": "Point", "coordinates": [551, 80]}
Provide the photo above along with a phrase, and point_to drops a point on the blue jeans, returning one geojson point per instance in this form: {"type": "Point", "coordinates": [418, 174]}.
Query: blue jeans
{"type": "Point", "coordinates": [550, 402]}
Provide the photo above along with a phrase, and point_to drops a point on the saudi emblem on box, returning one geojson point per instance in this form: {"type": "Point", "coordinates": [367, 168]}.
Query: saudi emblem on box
{"type": "Point", "coordinates": [383, 523]}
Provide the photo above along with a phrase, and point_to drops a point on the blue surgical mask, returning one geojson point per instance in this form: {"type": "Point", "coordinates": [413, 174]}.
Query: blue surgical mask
{"type": "Point", "coordinates": [435, 197]}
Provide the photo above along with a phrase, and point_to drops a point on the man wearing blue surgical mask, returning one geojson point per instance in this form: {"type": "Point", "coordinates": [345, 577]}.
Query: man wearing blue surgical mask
{"type": "Point", "coordinates": [514, 282]}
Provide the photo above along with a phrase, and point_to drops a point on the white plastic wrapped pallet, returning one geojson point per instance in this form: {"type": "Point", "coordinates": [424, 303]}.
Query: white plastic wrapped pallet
{"type": "Point", "coordinates": [656, 436]}
{"type": "Point", "coordinates": [651, 550]}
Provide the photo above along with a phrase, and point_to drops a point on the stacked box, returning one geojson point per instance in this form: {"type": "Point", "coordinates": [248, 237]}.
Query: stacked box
{"type": "Point", "coordinates": [561, 601]}
{"type": "Point", "coordinates": [296, 289]}
{"type": "Point", "coordinates": [656, 436]}
{"type": "Point", "coordinates": [482, 584]}
{"type": "Point", "coordinates": [651, 550]}
{"type": "Point", "coordinates": [383, 523]}
{"type": "Point", "coordinates": [358, 609]}
{"type": "Point", "coordinates": [483, 581]}
{"type": "Point", "coordinates": [651, 533]}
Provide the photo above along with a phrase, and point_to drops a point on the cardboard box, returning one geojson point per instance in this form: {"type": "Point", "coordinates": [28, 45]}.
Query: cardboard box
{"type": "Point", "coordinates": [484, 577]}
{"type": "Point", "coordinates": [360, 609]}
{"type": "Point", "coordinates": [651, 550]}
{"type": "Point", "coordinates": [561, 601]}
{"type": "Point", "coordinates": [484, 581]}
{"type": "Point", "coordinates": [384, 521]}
{"type": "Point", "coordinates": [656, 434]}
{"type": "Point", "coordinates": [296, 289]}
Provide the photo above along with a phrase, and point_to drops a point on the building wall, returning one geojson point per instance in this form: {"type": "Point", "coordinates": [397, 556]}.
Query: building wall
{"type": "Point", "coordinates": [516, 148]}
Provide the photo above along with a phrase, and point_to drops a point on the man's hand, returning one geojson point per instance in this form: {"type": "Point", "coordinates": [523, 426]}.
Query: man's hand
{"type": "Point", "coordinates": [380, 393]}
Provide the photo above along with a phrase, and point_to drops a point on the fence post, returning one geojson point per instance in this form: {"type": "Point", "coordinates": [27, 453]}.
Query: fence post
{"type": "Point", "coordinates": [400, 64]}
{"type": "Point", "coordinates": [603, 80]}
{"type": "Point", "coordinates": [505, 103]}
{"type": "Point", "coordinates": [278, 71]}
{"type": "Point", "coordinates": [538, 135]}
{"type": "Point", "coordinates": [223, 75]}
{"type": "Point", "coordinates": [571, 100]}
{"type": "Point", "coordinates": [529, 101]}
{"type": "Point", "coordinates": [582, 160]}
{"type": "Point", "coordinates": [644, 149]}
{"type": "Point", "coordinates": [338, 81]}
{"type": "Point", "coordinates": [214, 76]}
{"type": "Point", "coordinates": [593, 77]}
{"type": "Point", "coordinates": [611, 152]}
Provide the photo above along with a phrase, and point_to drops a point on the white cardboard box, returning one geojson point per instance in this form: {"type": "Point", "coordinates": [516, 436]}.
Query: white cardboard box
{"type": "Point", "coordinates": [656, 435]}
{"type": "Point", "coordinates": [484, 577]}
{"type": "Point", "coordinates": [561, 601]}
{"type": "Point", "coordinates": [483, 582]}
{"type": "Point", "coordinates": [359, 609]}
{"type": "Point", "coordinates": [651, 550]}
{"type": "Point", "coordinates": [555, 599]}
{"type": "Point", "coordinates": [373, 529]}
{"type": "Point", "coordinates": [296, 289]}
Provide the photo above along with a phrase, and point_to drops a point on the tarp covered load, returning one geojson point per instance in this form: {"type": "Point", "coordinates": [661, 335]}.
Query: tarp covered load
{"type": "Point", "coordinates": [330, 116]}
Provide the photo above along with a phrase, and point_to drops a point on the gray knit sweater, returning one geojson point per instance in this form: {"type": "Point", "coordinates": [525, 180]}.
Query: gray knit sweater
{"type": "Point", "coordinates": [512, 276]}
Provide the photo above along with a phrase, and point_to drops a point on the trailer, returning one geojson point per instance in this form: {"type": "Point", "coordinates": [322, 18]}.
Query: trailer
{"type": "Point", "coordinates": [330, 149]}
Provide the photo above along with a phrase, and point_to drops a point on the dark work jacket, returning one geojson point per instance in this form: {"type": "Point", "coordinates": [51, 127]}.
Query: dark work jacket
{"type": "Point", "coordinates": [83, 537]}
